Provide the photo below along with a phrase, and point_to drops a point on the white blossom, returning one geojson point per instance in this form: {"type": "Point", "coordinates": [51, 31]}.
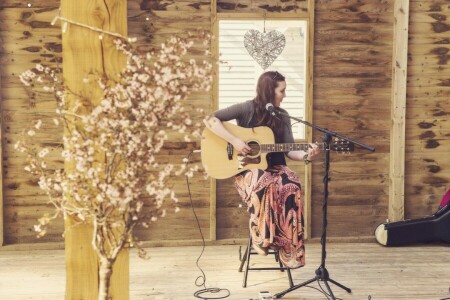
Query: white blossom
{"type": "Point", "coordinates": [43, 152]}
{"type": "Point", "coordinates": [38, 124]}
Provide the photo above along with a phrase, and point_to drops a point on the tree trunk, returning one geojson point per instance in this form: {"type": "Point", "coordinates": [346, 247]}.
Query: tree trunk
{"type": "Point", "coordinates": [105, 272]}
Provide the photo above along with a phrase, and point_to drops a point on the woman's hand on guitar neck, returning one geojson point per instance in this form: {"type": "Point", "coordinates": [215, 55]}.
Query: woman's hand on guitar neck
{"type": "Point", "coordinates": [309, 155]}
{"type": "Point", "coordinates": [313, 151]}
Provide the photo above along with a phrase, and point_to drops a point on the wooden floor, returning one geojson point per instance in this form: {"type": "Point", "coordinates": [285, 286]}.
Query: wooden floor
{"type": "Point", "coordinates": [371, 271]}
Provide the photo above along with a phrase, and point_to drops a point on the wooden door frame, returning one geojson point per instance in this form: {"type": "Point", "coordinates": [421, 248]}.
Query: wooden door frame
{"type": "Point", "coordinates": [309, 18]}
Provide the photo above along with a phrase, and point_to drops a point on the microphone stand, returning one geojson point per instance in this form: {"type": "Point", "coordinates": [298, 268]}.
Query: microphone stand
{"type": "Point", "coordinates": [322, 272]}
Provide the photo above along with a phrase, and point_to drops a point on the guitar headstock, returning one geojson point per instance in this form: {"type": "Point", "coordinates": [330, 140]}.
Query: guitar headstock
{"type": "Point", "coordinates": [342, 146]}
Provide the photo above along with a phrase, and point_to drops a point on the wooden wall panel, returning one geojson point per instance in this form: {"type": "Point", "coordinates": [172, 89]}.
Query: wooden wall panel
{"type": "Point", "coordinates": [153, 22]}
{"type": "Point", "coordinates": [352, 82]}
{"type": "Point", "coordinates": [232, 220]}
{"type": "Point", "coordinates": [27, 39]}
{"type": "Point", "coordinates": [427, 174]}
{"type": "Point", "coordinates": [261, 6]}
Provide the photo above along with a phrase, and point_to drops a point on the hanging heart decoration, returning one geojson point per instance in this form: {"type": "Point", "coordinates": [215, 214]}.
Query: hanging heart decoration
{"type": "Point", "coordinates": [264, 47]}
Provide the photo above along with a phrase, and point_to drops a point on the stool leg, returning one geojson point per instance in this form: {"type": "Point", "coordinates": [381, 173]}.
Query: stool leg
{"type": "Point", "coordinates": [291, 283]}
{"type": "Point", "coordinates": [243, 259]}
{"type": "Point", "coordinates": [247, 258]}
{"type": "Point", "coordinates": [277, 259]}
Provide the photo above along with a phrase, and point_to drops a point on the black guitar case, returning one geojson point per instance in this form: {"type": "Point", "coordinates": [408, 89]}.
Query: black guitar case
{"type": "Point", "coordinates": [430, 229]}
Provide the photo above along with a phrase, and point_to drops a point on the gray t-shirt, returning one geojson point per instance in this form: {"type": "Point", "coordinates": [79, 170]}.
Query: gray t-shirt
{"type": "Point", "coordinates": [243, 113]}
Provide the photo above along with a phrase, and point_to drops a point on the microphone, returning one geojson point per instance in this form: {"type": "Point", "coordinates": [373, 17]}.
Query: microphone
{"type": "Point", "coordinates": [270, 108]}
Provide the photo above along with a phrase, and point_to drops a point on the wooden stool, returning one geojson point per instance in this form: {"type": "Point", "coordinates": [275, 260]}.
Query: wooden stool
{"type": "Point", "coordinates": [246, 258]}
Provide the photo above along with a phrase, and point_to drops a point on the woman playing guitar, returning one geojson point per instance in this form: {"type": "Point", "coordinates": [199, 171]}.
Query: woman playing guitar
{"type": "Point", "coordinates": [273, 196]}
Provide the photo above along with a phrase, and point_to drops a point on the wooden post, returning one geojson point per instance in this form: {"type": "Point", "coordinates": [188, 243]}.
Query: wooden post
{"type": "Point", "coordinates": [85, 53]}
{"type": "Point", "coordinates": [309, 116]}
{"type": "Point", "coordinates": [1, 173]}
{"type": "Point", "coordinates": [398, 111]}
{"type": "Point", "coordinates": [215, 96]}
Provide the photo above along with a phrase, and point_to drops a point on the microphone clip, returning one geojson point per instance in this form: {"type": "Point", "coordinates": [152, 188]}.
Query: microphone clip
{"type": "Point", "coordinates": [271, 109]}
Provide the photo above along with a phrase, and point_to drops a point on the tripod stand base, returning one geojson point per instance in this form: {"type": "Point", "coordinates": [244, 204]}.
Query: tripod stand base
{"type": "Point", "coordinates": [321, 275]}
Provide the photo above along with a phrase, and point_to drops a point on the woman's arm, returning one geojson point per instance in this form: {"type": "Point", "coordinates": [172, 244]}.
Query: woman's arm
{"type": "Point", "coordinates": [216, 126]}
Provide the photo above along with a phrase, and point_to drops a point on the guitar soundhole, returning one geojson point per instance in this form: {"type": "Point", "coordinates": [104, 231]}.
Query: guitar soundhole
{"type": "Point", "coordinates": [255, 149]}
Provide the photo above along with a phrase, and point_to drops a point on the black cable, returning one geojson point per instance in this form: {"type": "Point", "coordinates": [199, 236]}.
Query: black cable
{"type": "Point", "coordinates": [325, 293]}
{"type": "Point", "coordinates": [199, 293]}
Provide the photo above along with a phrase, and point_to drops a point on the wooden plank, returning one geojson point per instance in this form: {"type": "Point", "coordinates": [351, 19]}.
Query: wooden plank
{"type": "Point", "coordinates": [24, 4]}
{"type": "Point", "coordinates": [139, 8]}
{"type": "Point", "coordinates": [429, 81]}
{"type": "Point", "coordinates": [343, 15]}
{"type": "Point", "coordinates": [368, 34]}
{"type": "Point", "coordinates": [340, 83]}
{"type": "Point", "coordinates": [347, 68]}
{"type": "Point", "coordinates": [427, 17]}
{"type": "Point", "coordinates": [177, 226]}
{"type": "Point", "coordinates": [398, 111]}
{"type": "Point", "coordinates": [429, 92]}
{"type": "Point", "coordinates": [261, 6]}
{"type": "Point", "coordinates": [347, 120]}
{"type": "Point", "coordinates": [1, 173]}
{"type": "Point", "coordinates": [350, 6]}
{"type": "Point", "coordinates": [434, 27]}
{"type": "Point", "coordinates": [84, 53]}
{"type": "Point", "coordinates": [214, 104]}
{"type": "Point", "coordinates": [365, 217]}
{"type": "Point", "coordinates": [430, 38]}
{"type": "Point", "coordinates": [19, 222]}
{"type": "Point", "coordinates": [430, 69]}
{"type": "Point", "coordinates": [309, 117]}
{"type": "Point", "coordinates": [235, 225]}
{"type": "Point", "coordinates": [269, 16]}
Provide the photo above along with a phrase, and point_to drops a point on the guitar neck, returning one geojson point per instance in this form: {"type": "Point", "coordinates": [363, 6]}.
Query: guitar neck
{"type": "Point", "coordinates": [286, 147]}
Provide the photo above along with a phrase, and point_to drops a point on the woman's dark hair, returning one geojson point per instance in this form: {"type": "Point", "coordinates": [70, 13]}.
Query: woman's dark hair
{"type": "Point", "coordinates": [265, 93]}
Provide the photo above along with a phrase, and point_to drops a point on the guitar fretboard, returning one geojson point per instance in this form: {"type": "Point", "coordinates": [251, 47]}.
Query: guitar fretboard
{"type": "Point", "coordinates": [286, 147]}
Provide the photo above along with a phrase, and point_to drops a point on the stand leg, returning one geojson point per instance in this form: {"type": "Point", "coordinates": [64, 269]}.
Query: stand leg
{"type": "Point", "coordinates": [279, 295]}
{"type": "Point", "coordinates": [340, 285]}
{"type": "Point", "coordinates": [321, 275]}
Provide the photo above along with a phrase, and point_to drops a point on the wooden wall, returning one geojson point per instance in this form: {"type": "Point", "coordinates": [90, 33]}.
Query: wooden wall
{"type": "Point", "coordinates": [352, 86]}
{"type": "Point", "coordinates": [352, 94]}
{"type": "Point", "coordinates": [427, 173]}
{"type": "Point", "coordinates": [27, 39]}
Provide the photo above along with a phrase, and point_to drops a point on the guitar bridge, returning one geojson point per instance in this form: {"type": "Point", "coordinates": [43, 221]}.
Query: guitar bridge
{"type": "Point", "coordinates": [230, 150]}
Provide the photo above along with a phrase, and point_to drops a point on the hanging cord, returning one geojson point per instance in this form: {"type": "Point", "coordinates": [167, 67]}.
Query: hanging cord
{"type": "Point", "coordinates": [265, 14]}
{"type": "Point", "coordinates": [201, 280]}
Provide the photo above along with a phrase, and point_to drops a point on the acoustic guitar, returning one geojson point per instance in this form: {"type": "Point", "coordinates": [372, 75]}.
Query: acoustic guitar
{"type": "Point", "coordinates": [220, 159]}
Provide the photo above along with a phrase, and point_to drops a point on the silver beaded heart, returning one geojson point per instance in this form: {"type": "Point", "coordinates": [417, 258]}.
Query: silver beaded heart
{"type": "Point", "coordinates": [264, 47]}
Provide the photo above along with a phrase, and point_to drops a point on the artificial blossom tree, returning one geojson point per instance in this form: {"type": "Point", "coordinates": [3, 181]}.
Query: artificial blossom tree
{"type": "Point", "coordinates": [117, 181]}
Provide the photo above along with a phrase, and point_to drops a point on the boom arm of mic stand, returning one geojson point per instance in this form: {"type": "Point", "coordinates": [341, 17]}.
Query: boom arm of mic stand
{"type": "Point", "coordinates": [324, 130]}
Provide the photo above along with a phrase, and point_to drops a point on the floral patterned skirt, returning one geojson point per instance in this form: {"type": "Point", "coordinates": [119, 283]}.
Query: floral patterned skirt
{"type": "Point", "coordinates": [275, 204]}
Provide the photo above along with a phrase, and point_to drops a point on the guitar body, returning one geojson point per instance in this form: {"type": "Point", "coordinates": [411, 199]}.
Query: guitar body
{"type": "Point", "coordinates": [221, 160]}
